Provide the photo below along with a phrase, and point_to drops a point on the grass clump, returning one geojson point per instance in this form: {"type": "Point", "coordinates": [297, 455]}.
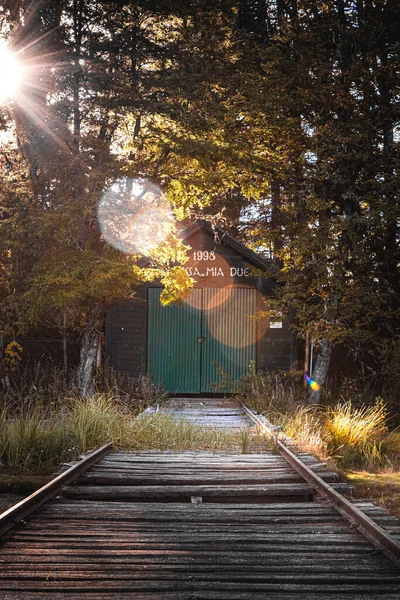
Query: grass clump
{"type": "Point", "coordinates": [34, 442]}
{"type": "Point", "coordinates": [304, 426]}
{"type": "Point", "coordinates": [98, 420]}
{"type": "Point", "coordinates": [359, 436]}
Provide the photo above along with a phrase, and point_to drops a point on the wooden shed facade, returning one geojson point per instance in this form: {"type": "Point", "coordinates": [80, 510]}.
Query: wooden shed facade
{"type": "Point", "coordinates": [212, 339]}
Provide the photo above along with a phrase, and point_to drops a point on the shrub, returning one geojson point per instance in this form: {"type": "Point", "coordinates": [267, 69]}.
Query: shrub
{"type": "Point", "coordinates": [280, 391]}
{"type": "Point", "coordinates": [50, 386]}
{"type": "Point", "coordinates": [137, 392]}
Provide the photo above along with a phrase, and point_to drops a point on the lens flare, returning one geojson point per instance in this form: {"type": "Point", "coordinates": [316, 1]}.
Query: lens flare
{"type": "Point", "coordinates": [134, 216]}
{"type": "Point", "coordinates": [10, 73]}
{"type": "Point", "coordinates": [218, 296]}
{"type": "Point", "coordinates": [233, 320]}
{"type": "Point", "coordinates": [313, 384]}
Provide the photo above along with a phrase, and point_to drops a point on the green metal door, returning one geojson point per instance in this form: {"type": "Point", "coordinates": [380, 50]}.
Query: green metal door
{"type": "Point", "coordinates": [173, 350]}
{"type": "Point", "coordinates": [230, 337]}
{"type": "Point", "coordinates": [203, 345]}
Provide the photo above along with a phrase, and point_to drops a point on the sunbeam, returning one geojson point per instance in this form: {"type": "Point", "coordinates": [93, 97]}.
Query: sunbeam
{"type": "Point", "coordinates": [10, 73]}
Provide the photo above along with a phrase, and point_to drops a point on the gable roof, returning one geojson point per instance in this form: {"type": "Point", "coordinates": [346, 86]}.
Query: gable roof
{"type": "Point", "coordinates": [222, 237]}
{"type": "Point", "coordinates": [225, 238]}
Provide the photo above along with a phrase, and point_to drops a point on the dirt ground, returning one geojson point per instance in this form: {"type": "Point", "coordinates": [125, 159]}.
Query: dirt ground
{"type": "Point", "coordinates": [8, 500]}
{"type": "Point", "coordinates": [383, 488]}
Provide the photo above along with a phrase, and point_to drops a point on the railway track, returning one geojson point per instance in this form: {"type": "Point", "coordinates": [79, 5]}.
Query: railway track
{"type": "Point", "coordinates": [198, 526]}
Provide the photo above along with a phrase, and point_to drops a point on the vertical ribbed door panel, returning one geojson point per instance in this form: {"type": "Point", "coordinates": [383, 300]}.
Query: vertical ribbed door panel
{"type": "Point", "coordinates": [230, 336]}
{"type": "Point", "coordinates": [173, 350]}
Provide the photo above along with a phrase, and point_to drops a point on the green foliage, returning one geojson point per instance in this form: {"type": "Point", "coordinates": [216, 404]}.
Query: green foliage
{"type": "Point", "coordinates": [284, 114]}
{"type": "Point", "coordinates": [76, 136]}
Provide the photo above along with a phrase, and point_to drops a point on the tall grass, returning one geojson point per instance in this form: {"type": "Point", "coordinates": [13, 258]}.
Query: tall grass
{"type": "Point", "coordinates": [34, 442]}
{"type": "Point", "coordinates": [37, 439]}
{"type": "Point", "coordinates": [304, 426]}
{"type": "Point", "coordinates": [164, 432]}
{"type": "Point", "coordinates": [359, 436]}
{"type": "Point", "coordinates": [354, 437]}
{"type": "Point", "coordinates": [97, 420]}
{"type": "Point", "coordinates": [51, 386]}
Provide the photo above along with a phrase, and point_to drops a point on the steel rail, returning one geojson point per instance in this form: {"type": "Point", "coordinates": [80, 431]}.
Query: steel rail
{"type": "Point", "coordinates": [19, 511]}
{"type": "Point", "coordinates": [380, 538]}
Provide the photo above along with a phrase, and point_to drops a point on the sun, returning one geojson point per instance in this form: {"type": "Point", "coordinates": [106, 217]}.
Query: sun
{"type": "Point", "coordinates": [10, 73]}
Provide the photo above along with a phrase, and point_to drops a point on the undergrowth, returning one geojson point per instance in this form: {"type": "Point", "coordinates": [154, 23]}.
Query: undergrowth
{"type": "Point", "coordinates": [353, 434]}
{"type": "Point", "coordinates": [52, 386]}
{"type": "Point", "coordinates": [37, 439]}
{"type": "Point", "coordinates": [268, 392]}
{"type": "Point", "coordinates": [354, 437]}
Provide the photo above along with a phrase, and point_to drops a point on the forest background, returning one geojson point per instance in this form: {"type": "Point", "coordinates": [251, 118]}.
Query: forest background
{"type": "Point", "coordinates": [276, 119]}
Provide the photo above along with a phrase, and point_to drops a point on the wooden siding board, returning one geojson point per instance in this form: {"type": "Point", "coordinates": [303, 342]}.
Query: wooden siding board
{"type": "Point", "coordinates": [125, 335]}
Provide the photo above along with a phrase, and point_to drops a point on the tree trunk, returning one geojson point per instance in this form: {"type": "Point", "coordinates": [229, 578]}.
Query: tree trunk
{"type": "Point", "coordinates": [320, 369]}
{"type": "Point", "coordinates": [65, 344]}
{"type": "Point", "coordinates": [306, 357]}
{"type": "Point", "coordinates": [89, 348]}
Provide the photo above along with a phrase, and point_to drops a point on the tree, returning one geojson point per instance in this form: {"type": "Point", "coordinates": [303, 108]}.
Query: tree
{"type": "Point", "coordinates": [88, 73]}
{"type": "Point", "coordinates": [298, 129]}
{"type": "Point", "coordinates": [333, 97]}
{"type": "Point", "coordinates": [283, 111]}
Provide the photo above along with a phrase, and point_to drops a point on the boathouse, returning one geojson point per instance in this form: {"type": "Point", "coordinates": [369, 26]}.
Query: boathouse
{"type": "Point", "coordinates": [212, 339]}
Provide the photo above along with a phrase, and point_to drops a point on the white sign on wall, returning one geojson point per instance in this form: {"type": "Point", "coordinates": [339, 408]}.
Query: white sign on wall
{"type": "Point", "coordinates": [274, 323]}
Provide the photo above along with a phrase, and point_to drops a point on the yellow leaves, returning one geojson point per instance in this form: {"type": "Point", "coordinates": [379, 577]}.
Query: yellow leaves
{"type": "Point", "coordinates": [177, 282]}
{"type": "Point", "coordinates": [13, 349]}
{"type": "Point", "coordinates": [177, 286]}
{"type": "Point", "coordinates": [171, 251]}
{"type": "Point", "coordinates": [148, 274]}
{"type": "Point", "coordinates": [12, 356]}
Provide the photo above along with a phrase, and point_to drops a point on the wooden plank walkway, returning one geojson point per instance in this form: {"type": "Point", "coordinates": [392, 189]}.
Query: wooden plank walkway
{"type": "Point", "coordinates": [194, 526]}
{"type": "Point", "coordinates": [220, 413]}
